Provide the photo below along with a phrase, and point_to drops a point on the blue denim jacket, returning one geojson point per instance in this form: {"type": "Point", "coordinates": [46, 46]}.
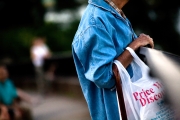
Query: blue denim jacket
{"type": "Point", "coordinates": [101, 37]}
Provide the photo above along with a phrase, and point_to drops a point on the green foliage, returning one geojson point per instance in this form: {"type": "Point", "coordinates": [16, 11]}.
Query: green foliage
{"type": "Point", "coordinates": [16, 43]}
{"type": "Point", "coordinates": [58, 38]}
{"type": "Point", "coordinates": [157, 19]}
{"type": "Point", "coordinates": [20, 24]}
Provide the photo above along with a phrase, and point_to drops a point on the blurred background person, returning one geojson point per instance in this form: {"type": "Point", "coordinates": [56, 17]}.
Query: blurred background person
{"type": "Point", "coordinates": [10, 97]}
{"type": "Point", "coordinates": [50, 77]}
{"type": "Point", "coordinates": [39, 52]}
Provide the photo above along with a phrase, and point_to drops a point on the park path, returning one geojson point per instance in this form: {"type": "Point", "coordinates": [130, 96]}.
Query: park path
{"type": "Point", "coordinates": [57, 107]}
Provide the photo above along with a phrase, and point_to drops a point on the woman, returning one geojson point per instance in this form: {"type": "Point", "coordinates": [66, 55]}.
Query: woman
{"type": "Point", "coordinates": [102, 36]}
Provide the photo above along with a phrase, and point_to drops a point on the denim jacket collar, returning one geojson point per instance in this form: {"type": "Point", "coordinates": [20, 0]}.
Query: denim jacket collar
{"type": "Point", "coordinates": [104, 5]}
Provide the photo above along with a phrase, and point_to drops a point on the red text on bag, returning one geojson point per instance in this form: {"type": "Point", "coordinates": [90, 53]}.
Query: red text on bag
{"type": "Point", "coordinates": [149, 95]}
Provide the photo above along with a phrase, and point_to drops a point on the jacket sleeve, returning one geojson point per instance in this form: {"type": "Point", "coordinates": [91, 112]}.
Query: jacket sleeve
{"type": "Point", "coordinates": [96, 51]}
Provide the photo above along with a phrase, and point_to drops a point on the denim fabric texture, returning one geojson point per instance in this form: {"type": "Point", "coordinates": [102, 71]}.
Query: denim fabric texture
{"type": "Point", "coordinates": [102, 35]}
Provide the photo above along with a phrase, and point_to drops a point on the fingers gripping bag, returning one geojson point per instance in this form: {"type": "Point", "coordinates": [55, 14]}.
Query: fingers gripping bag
{"type": "Point", "coordinates": [143, 95]}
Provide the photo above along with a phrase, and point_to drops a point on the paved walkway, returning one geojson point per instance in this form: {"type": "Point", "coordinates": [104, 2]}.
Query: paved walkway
{"type": "Point", "coordinates": [56, 107]}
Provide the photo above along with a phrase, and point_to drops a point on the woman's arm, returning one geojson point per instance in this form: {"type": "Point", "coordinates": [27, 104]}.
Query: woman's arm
{"type": "Point", "coordinates": [125, 58]}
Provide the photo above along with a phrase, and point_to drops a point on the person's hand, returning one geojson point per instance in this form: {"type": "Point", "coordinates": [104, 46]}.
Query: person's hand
{"type": "Point", "coordinates": [141, 41]}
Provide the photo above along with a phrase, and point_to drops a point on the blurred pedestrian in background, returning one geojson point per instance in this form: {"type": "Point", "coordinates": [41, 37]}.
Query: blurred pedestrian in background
{"type": "Point", "coordinates": [50, 77]}
{"type": "Point", "coordinates": [10, 98]}
{"type": "Point", "coordinates": [39, 52]}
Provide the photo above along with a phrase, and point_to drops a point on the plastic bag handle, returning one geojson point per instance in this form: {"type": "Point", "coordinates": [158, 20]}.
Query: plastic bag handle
{"type": "Point", "coordinates": [124, 79]}
{"type": "Point", "coordinates": [145, 68]}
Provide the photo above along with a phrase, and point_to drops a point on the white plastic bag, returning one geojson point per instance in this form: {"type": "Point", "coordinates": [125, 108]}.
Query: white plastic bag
{"type": "Point", "coordinates": [143, 95]}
